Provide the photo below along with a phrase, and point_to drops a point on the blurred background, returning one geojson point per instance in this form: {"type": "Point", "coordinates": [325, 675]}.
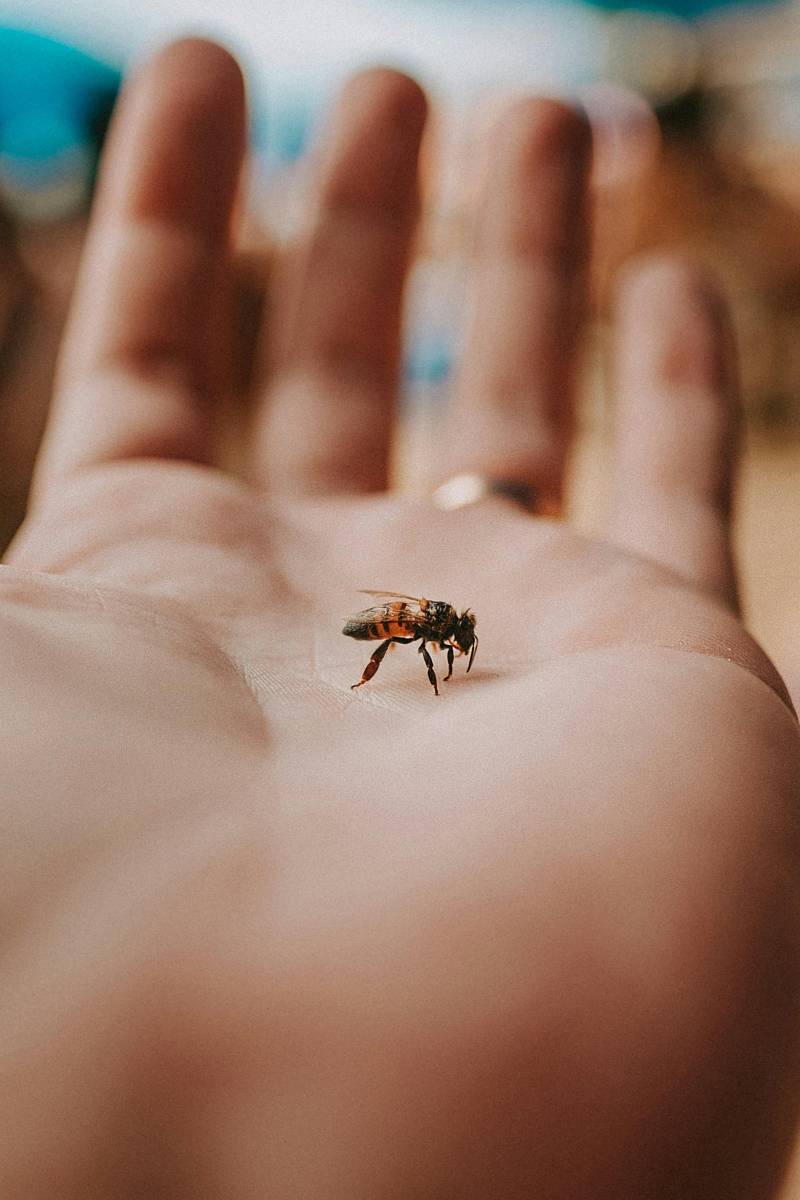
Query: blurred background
{"type": "Point", "coordinates": [696, 110]}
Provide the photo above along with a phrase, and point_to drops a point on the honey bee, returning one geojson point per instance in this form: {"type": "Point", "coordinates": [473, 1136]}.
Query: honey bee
{"type": "Point", "coordinates": [409, 619]}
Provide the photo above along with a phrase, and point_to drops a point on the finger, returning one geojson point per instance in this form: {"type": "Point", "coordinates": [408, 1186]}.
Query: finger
{"type": "Point", "coordinates": [328, 416]}
{"type": "Point", "coordinates": [511, 418]}
{"type": "Point", "coordinates": [141, 358]}
{"type": "Point", "coordinates": [677, 421]}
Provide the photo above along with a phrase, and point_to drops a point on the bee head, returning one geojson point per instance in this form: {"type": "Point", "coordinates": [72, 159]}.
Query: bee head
{"type": "Point", "coordinates": [464, 635]}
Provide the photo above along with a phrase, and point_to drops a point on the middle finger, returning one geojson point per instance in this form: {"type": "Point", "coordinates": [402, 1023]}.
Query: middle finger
{"type": "Point", "coordinates": [335, 356]}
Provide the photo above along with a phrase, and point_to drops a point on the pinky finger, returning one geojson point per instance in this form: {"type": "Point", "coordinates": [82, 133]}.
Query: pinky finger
{"type": "Point", "coordinates": [677, 425]}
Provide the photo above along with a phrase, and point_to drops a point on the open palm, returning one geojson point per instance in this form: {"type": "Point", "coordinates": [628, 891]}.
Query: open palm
{"type": "Point", "coordinates": [375, 943]}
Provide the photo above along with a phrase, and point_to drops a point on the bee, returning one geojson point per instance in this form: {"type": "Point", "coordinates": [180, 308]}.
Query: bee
{"type": "Point", "coordinates": [409, 619]}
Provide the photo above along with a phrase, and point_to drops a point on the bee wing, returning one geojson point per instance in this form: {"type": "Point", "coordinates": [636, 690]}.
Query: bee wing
{"type": "Point", "coordinates": [391, 612]}
{"type": "Point", "coordinates": [395, 595]}
{"type": "Point", "coordinates": [379, 613]}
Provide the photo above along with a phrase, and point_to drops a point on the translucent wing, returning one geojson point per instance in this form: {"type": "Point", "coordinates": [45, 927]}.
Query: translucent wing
{"type": "Point", "coordinates": [396, 595]}
{"type": "Point", "coordinates": [392, 611]}
{"type": "Point", "coordinates": [382, 612]}
{"type": "Point", "coordinates": [392, 619]}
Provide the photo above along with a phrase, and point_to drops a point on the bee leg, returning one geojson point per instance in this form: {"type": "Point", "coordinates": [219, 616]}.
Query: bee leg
{"type": "Point", "coordinates": [429, 665]}
{"type": "Point", "coordinates": [373, 664]}
{"type": "Point", "coordinates": [376, 660]}
{"type": "Point", "coordinates": [449, 662]}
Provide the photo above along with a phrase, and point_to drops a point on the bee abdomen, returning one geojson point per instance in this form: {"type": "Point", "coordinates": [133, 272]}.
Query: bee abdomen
{"type": "Point", "coordinates": [359, 629]}
{"type": "Point", "coordinates": [367, 631]}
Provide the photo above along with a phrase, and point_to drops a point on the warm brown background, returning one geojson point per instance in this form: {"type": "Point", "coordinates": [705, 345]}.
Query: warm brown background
{"type": "Point", "coordinates": [768, 535]}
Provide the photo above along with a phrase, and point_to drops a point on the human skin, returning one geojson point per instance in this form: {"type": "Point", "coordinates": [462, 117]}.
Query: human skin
{"type": "Point", "coordinates": [267, 936]}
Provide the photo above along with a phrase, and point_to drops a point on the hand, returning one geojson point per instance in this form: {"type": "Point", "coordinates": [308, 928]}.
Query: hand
{"type": "Point", "coordinates": [269, 936]}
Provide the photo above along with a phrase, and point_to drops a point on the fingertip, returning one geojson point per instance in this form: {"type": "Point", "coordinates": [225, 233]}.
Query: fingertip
{"type": "Point", "coordinates": [662, 282]}
{"type": "Point", "coordinates": [536, 182]}
{"type": "Point", "coordinates": [190, 53]}
{"type": "Point", "coordinates": [673, 320]}
{"type": "Point", "coordinates": [198, 74]}
{"type": "Point", "coordinates": [373, 142]}
{"type": "Point", "coordinates": [535, 128]}
{"type": "Point", "coordinates": [181, 124]}
{"type": "Point", "coordinates": [396, 99]}
{"type": "Point", "coordinates": [369, 151]}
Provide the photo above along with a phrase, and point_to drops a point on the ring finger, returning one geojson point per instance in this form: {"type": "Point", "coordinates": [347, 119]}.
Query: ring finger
{"type": "Point", "coordinates": [511, 417]}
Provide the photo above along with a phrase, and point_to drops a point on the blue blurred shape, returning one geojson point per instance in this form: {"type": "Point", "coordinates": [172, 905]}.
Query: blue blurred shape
{"type": "Point", "coordinates": [55, 104]}
{"type": "Point", "coordinates": [688, 10]}
{"type": "Point", "coordinates": [429, 359]}
{"type": "Point", "coordinates": [282, 128]}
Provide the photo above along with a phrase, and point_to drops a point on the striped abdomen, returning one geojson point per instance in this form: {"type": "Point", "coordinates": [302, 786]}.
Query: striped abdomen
{"type": "Point", "coordinates": [385, 621]}
{"type": "Point", "coordinates": [367, 631]}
